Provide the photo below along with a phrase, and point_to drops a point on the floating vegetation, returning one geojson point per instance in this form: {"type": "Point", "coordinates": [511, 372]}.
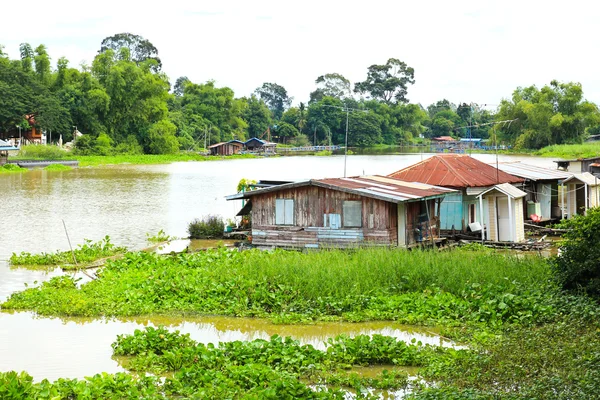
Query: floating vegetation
{"type": "Point", "coordinates": [85, 253]}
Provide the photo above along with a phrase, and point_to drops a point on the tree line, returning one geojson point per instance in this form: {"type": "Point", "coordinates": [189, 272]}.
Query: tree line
{"type": "Point", "coordinates": [126, 104]}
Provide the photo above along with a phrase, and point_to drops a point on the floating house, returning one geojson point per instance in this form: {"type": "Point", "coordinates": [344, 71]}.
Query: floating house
{"type": "Point", "coordinates": [469, 176]}
{"type": "Point", "coordinates": [226, 148]}
{"type": "Point", "coordinates": [578, 165]}
{"type": "Point", "coordinates": [344, 212]}
{"type": "Point", "coordinates": [580, 192]}
{"type": "Point", "coordinates": [542, 186]}
{"type": "Point", "coordinates": [259, 145]}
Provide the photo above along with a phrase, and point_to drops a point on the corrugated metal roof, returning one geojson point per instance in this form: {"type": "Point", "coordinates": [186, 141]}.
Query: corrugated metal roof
{"type": "Point", "coordinates": [454, 170]}
{"type": "Point", "coordinates": [7, 146]}
{"type": "Point", "coordinates": [507, 189]}
{"type": "Point", "coordinates": [585, 178]}
{"type": "Point", "coordinates": [379, 187]}
{"type": "Point", "coordinates": [532, 172]}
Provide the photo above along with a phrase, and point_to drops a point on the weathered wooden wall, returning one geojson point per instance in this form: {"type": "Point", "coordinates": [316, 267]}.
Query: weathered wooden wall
{"type": "Point", "coordinates": [379, 220]}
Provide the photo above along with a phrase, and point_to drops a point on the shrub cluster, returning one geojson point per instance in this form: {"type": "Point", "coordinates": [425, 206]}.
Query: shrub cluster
{"type": "Point", "coordinates": [209, 227]}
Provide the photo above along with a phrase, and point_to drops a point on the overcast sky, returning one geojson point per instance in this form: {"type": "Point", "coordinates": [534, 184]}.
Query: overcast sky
{"type": "Point", "coordinates": [465, 51]}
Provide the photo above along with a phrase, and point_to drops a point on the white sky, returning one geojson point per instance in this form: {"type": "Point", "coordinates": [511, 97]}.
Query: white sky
{"type": "Point", "coordinates": [464, 50]}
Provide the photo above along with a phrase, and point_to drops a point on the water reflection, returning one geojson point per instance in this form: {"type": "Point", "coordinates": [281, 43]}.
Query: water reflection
{"type": "Point", "coordinates": [77, 347]}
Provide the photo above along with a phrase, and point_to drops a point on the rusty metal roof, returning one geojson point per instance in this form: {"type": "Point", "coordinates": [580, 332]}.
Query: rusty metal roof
{"type": "Point", "coordinates": [454, 170]}
{"type": "Point", "coordinates": [374, 186]}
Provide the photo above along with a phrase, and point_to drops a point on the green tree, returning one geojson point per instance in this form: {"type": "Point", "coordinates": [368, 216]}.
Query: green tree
{"type": "Point", "coordinates": [555, 114]}
{"type": "Point", "coordinates": [26, 56]}
{"type": "Point", "coordinates": [331, 85]}
{"type": "Point", "coordinates": [284, 131]}
{"type": "Point", "coordinates": [42, 63]}
{"type": "Point", "coordinates": [140, 49]}
{"type": "Point", "coordinates": [275, 97]}
{"type": "Point", "coordinates": [388, 82]}
{"type": "Point", "coordinates": [258, 117]}
{"type": "Point", "coordinates": [577, 267]}
{"type": "Point", "coordinates": [161, 138]}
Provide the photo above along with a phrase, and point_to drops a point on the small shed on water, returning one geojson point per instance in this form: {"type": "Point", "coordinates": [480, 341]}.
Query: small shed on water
{"type": "Point", "coordinates": [344, 212]}
{"type": "Point", "coordinates": [581, 191]}
{"type": "Point", "coordinates": [469, 176]}
{"type": "Point", "coordinates": [226, 148]}
{"type": "Point", "coordinates": [503, 215]}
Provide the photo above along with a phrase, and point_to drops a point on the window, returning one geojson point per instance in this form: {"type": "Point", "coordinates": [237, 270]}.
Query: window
{"type": "Point", "coordinates": [352, 213]}
{"type": "Point", "coordinates": [332, 221]}
{"type": "Point", "coordinates": [284, 211]}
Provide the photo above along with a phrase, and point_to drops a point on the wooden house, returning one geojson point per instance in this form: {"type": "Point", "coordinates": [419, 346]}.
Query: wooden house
{"type": "Point", "coordinates": [344, 212]}
{"type": "Point", "coordinates": [226, 148]}
{"type": "Point", "coordinates": [259, 145]}
{"type": "Point", "coordinates": [469, 176]}
{"type": "Point", "coordinates": [579, 193]}
{"type": "Point", "coordinates": [542, 186]}
{"type": "Point", "coordinates": [501, 208]}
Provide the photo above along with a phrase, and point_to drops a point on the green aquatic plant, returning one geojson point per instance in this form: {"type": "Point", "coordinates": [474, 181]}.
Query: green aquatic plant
{"type": "Point", "coordinates": [161, 236]}
{"type": "Point", "coordinates": [8, 168]}
{"type": "Point", "coordinates": [85, 253]}
{"type": "Point", "coordinates": [58, 167]}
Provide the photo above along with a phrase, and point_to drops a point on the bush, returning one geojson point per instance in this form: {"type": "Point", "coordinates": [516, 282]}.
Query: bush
{"type": "Point", "coordinates": [38, 151]}
{"type": "Point", "coordinates": [209, 227]}
{"type": "Point", "coordinates": [578, 265]}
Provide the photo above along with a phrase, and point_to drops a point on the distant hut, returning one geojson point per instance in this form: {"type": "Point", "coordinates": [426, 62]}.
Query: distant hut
{"type": "Point", "coordinates": [226, 148]}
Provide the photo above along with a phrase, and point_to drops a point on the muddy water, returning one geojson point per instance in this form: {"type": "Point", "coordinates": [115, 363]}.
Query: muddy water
{"type": "Point", "coordinates": [128, 203]}
{"type": "Point", "coordinates": [77, 347]}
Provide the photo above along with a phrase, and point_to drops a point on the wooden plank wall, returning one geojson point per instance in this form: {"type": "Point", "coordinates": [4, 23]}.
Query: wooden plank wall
{"type": "Point", "coordinates": [379, 220]}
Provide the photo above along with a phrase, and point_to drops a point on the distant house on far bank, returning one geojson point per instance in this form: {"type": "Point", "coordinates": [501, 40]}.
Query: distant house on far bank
{"type": "Point", "coordinates": [259, 145]}
{"type": "Point", "coordinates": [226, 148]}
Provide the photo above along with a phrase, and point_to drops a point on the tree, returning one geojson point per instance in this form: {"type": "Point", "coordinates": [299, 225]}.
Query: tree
{"type": "Point", "coordinates": [388, 82]}
{"type": "Point", "coordinates": [26, 56]}
{"type": "Point", "coordinates": [275, 97]}
{"type": "Point", "coordinates": [179, 86]}
{"type": "Point", "coordinates": [161, 138]}
{"type": "Point", "coordinates": [332, 85]}
{"type": "Point", "coordinates": [42, 63]}
{"type": "Point", "coordinates": [258, 117]}
{"type": "Point", "coordinates": [285, 131]}
{"type": "Point", "coordinates": [555, 114]}
{"type": "Point", "coordinates": [140, 49]}
{"type": "Point", "coordinates": [578, 265]}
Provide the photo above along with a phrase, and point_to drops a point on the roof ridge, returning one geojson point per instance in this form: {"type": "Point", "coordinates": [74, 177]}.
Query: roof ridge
{"type": "Point", "coordinates": [456, 173]}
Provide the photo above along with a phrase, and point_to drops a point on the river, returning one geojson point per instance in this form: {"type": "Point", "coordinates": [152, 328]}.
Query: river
{"type": "Point", "coordinates": [127, 202]}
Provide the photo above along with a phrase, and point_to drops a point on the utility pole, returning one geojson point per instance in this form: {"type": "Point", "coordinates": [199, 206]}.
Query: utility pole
{"type": "Point", "coordinates": [347, 110]}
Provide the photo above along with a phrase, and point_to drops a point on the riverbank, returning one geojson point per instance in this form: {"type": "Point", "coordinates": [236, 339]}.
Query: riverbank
{"type": "Point", "coordinates": [524, 337]}
{"type": "Point", "coordinates": [570, 151]}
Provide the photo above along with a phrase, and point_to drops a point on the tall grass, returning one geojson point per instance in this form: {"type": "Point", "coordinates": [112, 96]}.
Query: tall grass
{"type": "Point", "coordinates": [360, 272]}
{"type": "Point", "coordinates": [41, 152]}
{"type": "Point", "coordinates": [584, 150]}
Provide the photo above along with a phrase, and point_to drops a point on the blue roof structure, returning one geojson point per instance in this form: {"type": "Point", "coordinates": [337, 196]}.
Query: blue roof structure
{"type": "Point", "coordinates": [5, 146]}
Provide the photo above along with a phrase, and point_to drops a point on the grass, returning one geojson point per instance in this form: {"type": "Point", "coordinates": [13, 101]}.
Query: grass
{"type": "Point", "coordinates": [526, 339]}
{"type": "Point", "coordinates": [366, 284]}
{"type": "Point", "coordinates": [85, 161]}
{"type": "Point", "coordinates": [58, 167]}
{"type": "Point", "coordinates": [571, 151]}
